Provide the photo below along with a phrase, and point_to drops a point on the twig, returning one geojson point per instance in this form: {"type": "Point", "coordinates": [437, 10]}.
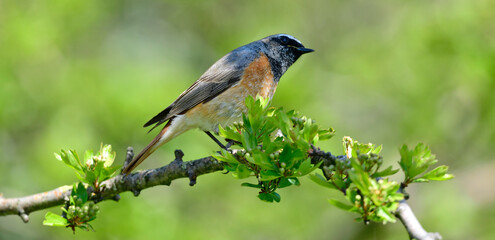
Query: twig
{"type": "Point", "coordinates": [412, 225]}
{"type": "Point", "coordinates": [135, 182]}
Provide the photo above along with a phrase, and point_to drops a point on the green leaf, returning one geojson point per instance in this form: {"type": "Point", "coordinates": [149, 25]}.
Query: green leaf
{"type": "Point", "coordinates": [385, 215]}
{"type": "Point", "coordinates": [377, 150]}
{"type": "Point", "coordinates": [268, 175]}
{"type": "Point", "coordinates": [438, 174]}
{"type": "Point", "coordinates": [98, 169]}
{"type": "Point", "coordinates": [275, 196]}
{"type": "Point", "coordinates": [109, 172]}
{"type": "Point", "coordinates": [287, 182]}
{"type": "Point", "coordinates": [417, 161]}
{"type": "Point", "coordinates": [325, 134]}
{"type": "Point", "coordinates": [225, 156]}
{"type": "Point", "coordinates": [80, 191]}
{"type": "Point", "coordinates": [242, 172]}
{"type": "Point", "coordinates": [405, 158]}
{"type": "Point", "coordinates": [70, 158]}
{"type": "Point", "coordinates": [263, 102]}
{"type": "Point", "coordinates": [420, 180]}
{"type": "Point", "coordinates": [304, 171]}
{"type": "Point", "coordinates": [387, 172]}
{"type": "Point", "coordinates": [422, 159]}
{"type": "Point", "coordinates": [284, 122]}
{"type": "Point", "coordinates": [294, 181]}
{"type": "Point", "coordinates": [249, 158]}
{"type": "Point", "coordinates": [320, 180]}
{"type": "Point", "coordinates": [88, 155]}
{"type": "Point", "coordinates": [341, 184]}
{"type": "Point", "coordinates": [81, 176]}
{"type": "Point", "coordinates": [286, 156]}
{"type": "Point", "coordinates": [304, 168]}
{"type": "Point", "coordinates": [444, 177]}
{"type": "Point", "coordinates": [267, 197]}
{"type": "Point", "coordinates": [246, 124]}
{"type": "Point", "coordinates": [71, 198]}
{"type": "Point", "coordinates": [54, 220]}
{"type": "Point", "coordinates": [90, 177]}
{"type": "Point", "coordinates": [340, 204]}
{"type": "Point", "coordinates": [107, 155]}
{"type": "Point", "coordinates": [263, 160]}
{"type": "Point", "coordinates": [249, 101]}
{"type": "Point", "coordinates": [246, 140]}
{"type": "Point", "coordinates": [229, 133]}
{"type": "Point", "coordinates": [359, 177]}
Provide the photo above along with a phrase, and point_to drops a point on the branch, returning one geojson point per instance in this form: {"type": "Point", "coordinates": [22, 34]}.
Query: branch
{"type": "Point", "coordinates": [412, 225]}
{"type": "Point", "coordinates": [164, 176]}
{"type": "Point", "coordinates": [403, 212]}
{"type": "Point", "coordinates": [134, 182]}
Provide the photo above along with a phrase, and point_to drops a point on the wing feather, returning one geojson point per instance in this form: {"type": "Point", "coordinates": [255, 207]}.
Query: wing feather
{"type": "Point", "coordinates": [218, 78]}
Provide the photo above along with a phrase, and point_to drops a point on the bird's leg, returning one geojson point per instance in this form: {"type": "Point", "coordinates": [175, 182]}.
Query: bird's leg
{"type": "Point", "coordinates": [231, 142]}
{"type": "Point", "coordinates": [216, 140]}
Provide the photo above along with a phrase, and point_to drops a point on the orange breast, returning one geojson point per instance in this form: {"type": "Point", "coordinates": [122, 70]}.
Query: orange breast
{"type": "Point", "coordinates": [228, 107]}
{"type": "Point", "coordinates": [258, 79]}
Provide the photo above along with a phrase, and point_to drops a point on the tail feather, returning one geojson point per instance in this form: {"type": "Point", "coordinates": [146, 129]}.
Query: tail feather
{"type": "Point", "coordinates": [148, 150]}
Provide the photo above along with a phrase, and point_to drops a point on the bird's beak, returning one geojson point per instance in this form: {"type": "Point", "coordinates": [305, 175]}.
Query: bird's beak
{"type": "Point", "coordinates": [304, 50]}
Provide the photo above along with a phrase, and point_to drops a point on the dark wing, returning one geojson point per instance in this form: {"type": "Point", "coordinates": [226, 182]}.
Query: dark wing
{"type": "Point", "coordinates": [218, 78]}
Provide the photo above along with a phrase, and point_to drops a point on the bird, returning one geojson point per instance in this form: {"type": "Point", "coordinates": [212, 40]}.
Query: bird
{"type": "Point", "coordinates": [217, 97]}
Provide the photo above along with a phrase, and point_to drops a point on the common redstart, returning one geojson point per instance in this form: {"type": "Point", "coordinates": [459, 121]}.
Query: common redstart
{"type": "Point", "coordinates": [217, 97]}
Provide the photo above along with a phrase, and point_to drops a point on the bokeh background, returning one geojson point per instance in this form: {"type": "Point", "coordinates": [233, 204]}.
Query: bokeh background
{"type": "Point", "coordinates": [74, 74]}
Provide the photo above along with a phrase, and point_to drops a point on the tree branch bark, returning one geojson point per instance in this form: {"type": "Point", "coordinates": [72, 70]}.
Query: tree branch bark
{"type": "Point", "coordinates": [412, 225]}
{"type": "Point", "coordinates": [138, 181]}
{"type": "Point", "coordinates": [134, 182]}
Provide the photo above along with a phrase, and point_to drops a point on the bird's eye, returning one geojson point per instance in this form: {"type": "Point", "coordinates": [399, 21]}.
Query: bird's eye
{"type": "Point", "coordinates": [284, 40]}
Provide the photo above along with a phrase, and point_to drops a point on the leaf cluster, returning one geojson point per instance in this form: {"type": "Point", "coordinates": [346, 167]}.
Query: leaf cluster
{"type": "Point", "coordinates": [77, 213]}
{"type": "Point", "coordinates": [358, 175]}
{"type": "Point", "coordinates": [95, 168]}
{"type": "Point", "coordinates": [415, 162]}
{"type": "Point", "coordinates": [367, 189]}
{"type": "Point", "coordinates": [274, 145]}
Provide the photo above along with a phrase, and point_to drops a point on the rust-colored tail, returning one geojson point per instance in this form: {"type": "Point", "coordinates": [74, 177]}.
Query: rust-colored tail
{"type": "Point", "coordinates": [148, 150]}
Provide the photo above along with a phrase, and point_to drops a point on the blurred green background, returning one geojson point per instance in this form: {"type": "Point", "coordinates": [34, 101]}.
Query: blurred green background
{"type": "Point", "coordinates": [74, 74]}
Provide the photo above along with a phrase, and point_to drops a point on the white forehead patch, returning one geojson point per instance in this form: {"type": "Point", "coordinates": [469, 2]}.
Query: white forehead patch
{"type": "Point", "coordinates": [291, 37]}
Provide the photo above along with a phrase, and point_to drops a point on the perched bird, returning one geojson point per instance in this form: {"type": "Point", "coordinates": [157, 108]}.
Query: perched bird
{"type": "Point", "coordinates": [217, 97]}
